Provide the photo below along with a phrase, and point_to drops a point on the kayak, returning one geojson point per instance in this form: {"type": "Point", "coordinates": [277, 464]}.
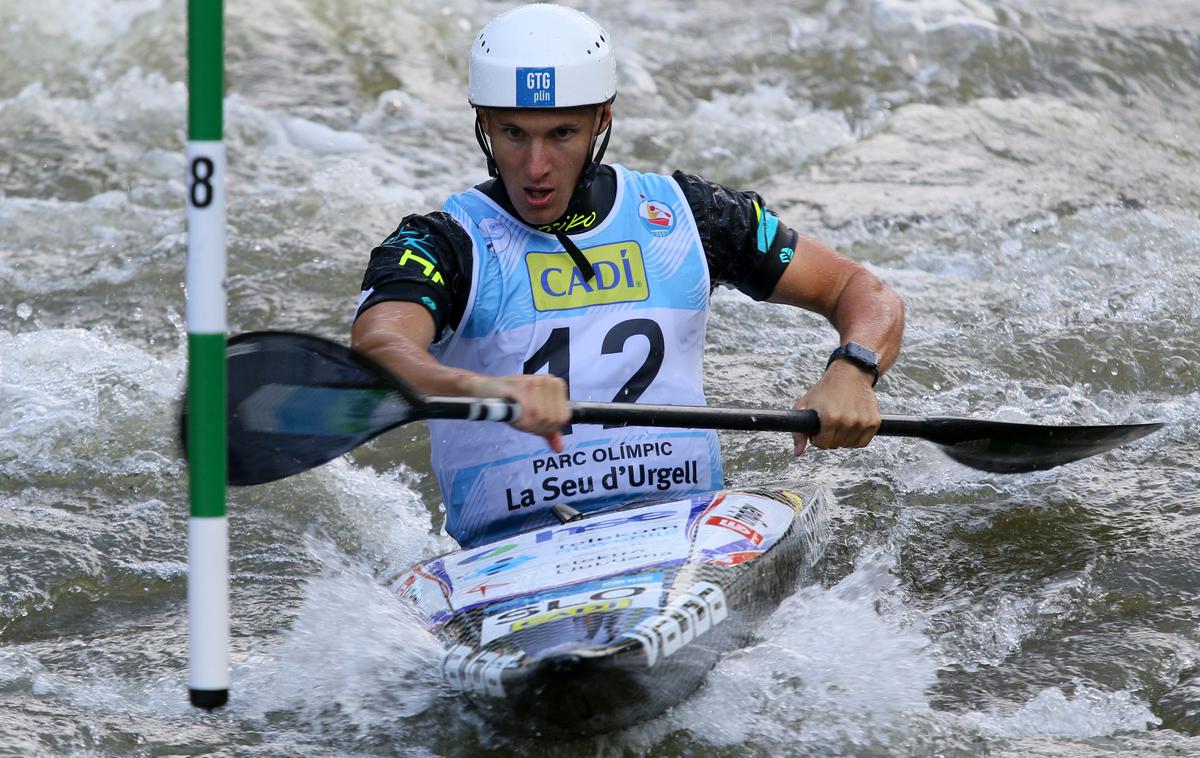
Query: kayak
{"type": "Point", "coordinates": [611, 618]}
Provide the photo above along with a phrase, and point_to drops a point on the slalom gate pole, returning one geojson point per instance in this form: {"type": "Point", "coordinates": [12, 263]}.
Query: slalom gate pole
{"type": "Point", "coordinates": [208, 537]}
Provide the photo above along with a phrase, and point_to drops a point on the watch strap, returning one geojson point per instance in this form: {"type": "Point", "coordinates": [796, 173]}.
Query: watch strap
{"type": "Point", "coordinates": [863, 357]}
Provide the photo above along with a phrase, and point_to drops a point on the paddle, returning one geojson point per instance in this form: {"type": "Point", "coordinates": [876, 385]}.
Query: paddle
{"type": "Point", "coordinates": [297, 401]}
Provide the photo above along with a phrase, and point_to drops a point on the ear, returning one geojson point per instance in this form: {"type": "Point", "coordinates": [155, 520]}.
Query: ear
{"type": "Point", "coordinates": [605, 118]}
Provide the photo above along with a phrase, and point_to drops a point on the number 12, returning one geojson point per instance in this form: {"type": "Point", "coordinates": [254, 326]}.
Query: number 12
{"type": "Point", "coordinates": [555, 355]}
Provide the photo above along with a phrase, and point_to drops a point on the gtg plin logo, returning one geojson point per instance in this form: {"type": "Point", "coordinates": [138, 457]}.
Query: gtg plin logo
{"type": "Point", "coordinates": [535, 87]}
{"type": "Point", "coordinates": [657, 217]}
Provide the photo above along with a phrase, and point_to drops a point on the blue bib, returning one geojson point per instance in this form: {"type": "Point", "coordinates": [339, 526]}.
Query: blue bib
{"type": "Point", "coordinates": [633, 333]}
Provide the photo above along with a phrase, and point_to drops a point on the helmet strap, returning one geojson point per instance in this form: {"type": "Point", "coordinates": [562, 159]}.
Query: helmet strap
{"type": "Point", "coordinates": [589, 170]}
{"type": "Point", "coordinates": [482, 139]}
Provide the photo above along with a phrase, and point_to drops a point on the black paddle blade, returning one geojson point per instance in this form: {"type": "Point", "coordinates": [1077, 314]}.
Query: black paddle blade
{"type": "Point", "coordinates": [1010, 448]}
{"type": "Point", "coordinates": [297, 401]}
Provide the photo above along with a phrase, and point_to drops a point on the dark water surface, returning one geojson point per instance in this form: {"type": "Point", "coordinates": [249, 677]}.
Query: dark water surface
{"type": "Point", "coordinates": [1025, 174]}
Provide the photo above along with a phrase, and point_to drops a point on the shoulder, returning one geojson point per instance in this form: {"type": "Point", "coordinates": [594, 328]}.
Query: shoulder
{"type": "Point", "coordinates": [436, 230]}
{"type": "Point", "coordinates": [428, 259]}
{"type": "Point", "coordinates": [746, 245]}
{"type": "Point", "coordinates": [702, 194]}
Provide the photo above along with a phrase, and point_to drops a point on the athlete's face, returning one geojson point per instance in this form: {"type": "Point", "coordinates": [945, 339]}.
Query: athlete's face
{"type": "Point", "coordinates": [540, 155]}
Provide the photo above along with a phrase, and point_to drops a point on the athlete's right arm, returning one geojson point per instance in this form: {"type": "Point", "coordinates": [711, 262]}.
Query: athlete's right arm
{"type": "Point", "coordinates": [414, 288]}
{"type": "Point", "coordinates": [398, 334]}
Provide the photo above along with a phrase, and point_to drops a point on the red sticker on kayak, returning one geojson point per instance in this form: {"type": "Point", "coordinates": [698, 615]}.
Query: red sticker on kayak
{"type": "Point", "coordinates": [736, 526]}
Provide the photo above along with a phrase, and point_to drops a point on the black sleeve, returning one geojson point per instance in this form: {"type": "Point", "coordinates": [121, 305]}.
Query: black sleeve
{"type": "Point", "coordinates": [746, 244]}
{"type": "Point", "coordinates": [427, 260]}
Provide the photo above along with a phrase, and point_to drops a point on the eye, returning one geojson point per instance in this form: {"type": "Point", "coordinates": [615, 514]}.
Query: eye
{"type": "Point", "coordinates": [512, 132]}
{"type": "Point", "coordinates": [565, 132]}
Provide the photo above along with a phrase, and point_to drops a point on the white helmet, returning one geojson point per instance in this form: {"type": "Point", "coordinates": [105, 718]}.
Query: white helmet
{"type": "Point", "coordinates": [542, 56]}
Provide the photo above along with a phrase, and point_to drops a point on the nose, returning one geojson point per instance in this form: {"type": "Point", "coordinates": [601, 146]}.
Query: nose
{"type": "Point", "coordinates": [539, 159]}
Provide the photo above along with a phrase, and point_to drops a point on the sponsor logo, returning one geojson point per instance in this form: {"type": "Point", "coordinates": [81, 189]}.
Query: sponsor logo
{"type": "Point", "coordinates": [736, 526]}
{"type": "Point", "coordinates": [504, 561]}
{"type": "Point", "coordinates": [785, 255]}
{"type": "Point", "coordinates": [499, 567]}
{"type": "Point", "coordinates": [571, 611]}
{"type": "Point", "coordinates": [557, 284]}
{"type": "Point", "coordinates": [661, 532]}
{"type": "Point", "coordinates": [570, 223]}
{"type": "Point", "coordinates": [483, 587]}
{"type": "Point", "coordinates": [472, 670]}
{"type": "Point", "coordinates": [687, 617]}
{"type": "Point", "coordinates": [535, 87]}
{"type": "Point", "coordinates": [718, 558]}
{"type": "Point", "coordinates": [496, 234]}
{"type": "Point", "coordinates": [768, 225]}
{"type": "Point", "coordinates": [403, 237]}
{"type": "Point", "coordinates": [428, 267]}
{"type": "Point", "coordinates": [589, 525]}
{"type": "Point", "coordinates": [404, 589]}
{"type": "Point", "coordinates": [657, 217]}
{"type": "Point", "coordinates": [639, 591]}
{"type": "Point", "coordinates": [485, 554]}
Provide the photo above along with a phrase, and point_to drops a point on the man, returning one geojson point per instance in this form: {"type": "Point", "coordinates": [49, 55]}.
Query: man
{"type": "Point", "coordinates": [564, 277]}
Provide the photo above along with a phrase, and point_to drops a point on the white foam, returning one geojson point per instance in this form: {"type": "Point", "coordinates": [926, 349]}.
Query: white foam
{"type": "Point", "coordinates": [830, 672]}
{"type": "Point", "coordinates": [1089, 712]}
{"type": "Point", "coordinates": [322, 140]}
{"type": "Point", "coordinates": [354, 657]}
{"type": "Point", "coordinates": [95, 23]}
{"type": "Point", "coordinates": [377, 516]}
{"type": "Point", "coordinates": [71, 398]}
{"type": "Point", "coordinates": [744, 135]}
{"type": "Point", "coordinates": [929, 37]}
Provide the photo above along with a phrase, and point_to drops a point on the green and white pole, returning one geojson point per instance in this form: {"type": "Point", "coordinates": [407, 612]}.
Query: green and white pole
{"type": "Point", "coordinates": [208, 536]}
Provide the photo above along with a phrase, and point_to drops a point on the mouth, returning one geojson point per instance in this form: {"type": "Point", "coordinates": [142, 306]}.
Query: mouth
{"type": "Point", "coordinates": [538, 197]}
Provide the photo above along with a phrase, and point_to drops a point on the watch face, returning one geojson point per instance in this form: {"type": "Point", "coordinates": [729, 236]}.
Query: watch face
{"type": "Point", "coordinates": [862, 355]}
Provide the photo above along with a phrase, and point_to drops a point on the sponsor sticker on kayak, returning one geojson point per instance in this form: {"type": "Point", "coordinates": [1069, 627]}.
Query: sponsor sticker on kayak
{"type": "Point", "coordinates": [688, 616]}
{"type": "Point", "coordinates": [737, 528]}
{"type": "Point", "coordinates": [425, 591]}
{"type": "Point", "coordinates": [558, 556]}
{"type": "Point", "coordinates": [734, 525]}
{"type": "Point", "coordinates": [602, 596]}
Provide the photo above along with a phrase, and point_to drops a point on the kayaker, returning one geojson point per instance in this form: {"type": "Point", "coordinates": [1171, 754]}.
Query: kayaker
{"type": "Point", "coordinates": [562, 275]}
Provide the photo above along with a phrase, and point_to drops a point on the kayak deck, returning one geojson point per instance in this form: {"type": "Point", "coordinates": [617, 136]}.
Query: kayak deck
{"type": "Point", "coordinates": [612, 619]}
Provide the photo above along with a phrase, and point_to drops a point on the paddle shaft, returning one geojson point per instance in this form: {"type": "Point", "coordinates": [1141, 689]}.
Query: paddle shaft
{"type": "Point", "coordinates": [638, 414]}
{"type": "Point", "coordinates": [297, 401]}
{"type": "Point", "coordinates": [942, 430]}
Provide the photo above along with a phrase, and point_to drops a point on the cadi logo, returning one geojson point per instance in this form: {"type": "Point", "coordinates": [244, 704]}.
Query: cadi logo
{"type": "Point", "coordinates": [557, 284]}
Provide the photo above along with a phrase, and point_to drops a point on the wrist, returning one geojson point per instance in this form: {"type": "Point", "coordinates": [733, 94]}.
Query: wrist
{"type": "Point", "coordinates": [864, 359]}
{"type": "Point", "coordinates": [471, 384]}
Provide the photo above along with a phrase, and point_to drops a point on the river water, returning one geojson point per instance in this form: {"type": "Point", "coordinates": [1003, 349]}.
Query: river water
{"type": "Point", "coordinates": [1024, 173]}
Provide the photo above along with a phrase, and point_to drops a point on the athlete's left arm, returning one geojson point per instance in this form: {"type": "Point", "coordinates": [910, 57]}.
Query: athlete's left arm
{"type": "Point", "coordinates": [862, 309]}
{"type": "Point", "coordinates": [748, 247]}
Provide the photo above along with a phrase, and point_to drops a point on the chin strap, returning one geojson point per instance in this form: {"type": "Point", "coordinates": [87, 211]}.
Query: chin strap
{"type": "Point", "coordinates": [585, 180]}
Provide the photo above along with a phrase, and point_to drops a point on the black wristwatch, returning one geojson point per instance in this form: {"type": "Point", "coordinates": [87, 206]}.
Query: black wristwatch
{"type": "Point", "coordinates": [863, 357]}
